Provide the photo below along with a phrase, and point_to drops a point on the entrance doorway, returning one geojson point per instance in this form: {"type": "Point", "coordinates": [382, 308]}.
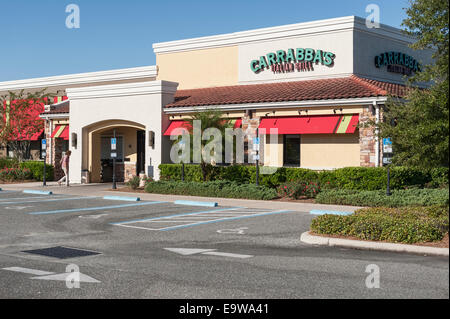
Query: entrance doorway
{"type": "Point", "coordinates": [140, 150]}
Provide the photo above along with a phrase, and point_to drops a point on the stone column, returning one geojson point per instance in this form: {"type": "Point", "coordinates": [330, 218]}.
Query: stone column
{"type": "Point", "coordinates": [367, 139]}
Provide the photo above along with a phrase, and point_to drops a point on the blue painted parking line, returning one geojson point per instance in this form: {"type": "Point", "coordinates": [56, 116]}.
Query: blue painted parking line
{"type": "Point", "coordinates": [195, 203]}
{"type": "Point", "coordinates": [172, 216]}
{"type": "Point", "coordinates": [60, 211]}
{"type": "Point", "coordinates": [329, 212]}
{"type": "Point", "coordinates": [32, 191]}
{"type": "Point", "coordinates": [46, 200]}
{"type": "Point", "coordinates": [123, 198]}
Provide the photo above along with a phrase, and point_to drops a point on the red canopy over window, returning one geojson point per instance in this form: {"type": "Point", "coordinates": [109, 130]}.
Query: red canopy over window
{"type": "Point", "coordinates": [174, 125]}
{"type": "Point", "coordinates": [320, 124]}
{"type": "Point", "coordinates": [61, 131]}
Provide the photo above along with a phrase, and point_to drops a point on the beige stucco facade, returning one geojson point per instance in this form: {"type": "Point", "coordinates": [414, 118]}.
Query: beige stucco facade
{"type": "Point", "coordinates": [200, 68]}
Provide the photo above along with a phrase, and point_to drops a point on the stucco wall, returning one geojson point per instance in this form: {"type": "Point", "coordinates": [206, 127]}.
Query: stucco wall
{"type": "Point", "coordinates": [329, 150]}
{"type": "Point", "coordinates": [200, 68]}
{"type": "Point", "coordinates": [139, 103]}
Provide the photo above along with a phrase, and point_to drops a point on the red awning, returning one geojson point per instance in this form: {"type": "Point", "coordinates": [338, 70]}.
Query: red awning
{"type": "Point", "coordinates": [238, 123]}
{"type": "Point", "coordinates": [171, 130]}
{"type": "Point", "coordinates": [61, 131]}
{"type": "Point", "coordinates": [320, 124]}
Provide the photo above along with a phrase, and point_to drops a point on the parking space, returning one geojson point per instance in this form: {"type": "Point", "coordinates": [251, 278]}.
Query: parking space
{"type": "Point", "coordinates": [179, 221]}
{"type": "Point", "coordinates": [147, 215]}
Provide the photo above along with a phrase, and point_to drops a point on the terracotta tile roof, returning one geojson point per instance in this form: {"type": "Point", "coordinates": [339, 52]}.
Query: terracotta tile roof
{"type": "Point", "coordinates": [339, 88]}
{"type": "Point", "coordinates": [60, 108]}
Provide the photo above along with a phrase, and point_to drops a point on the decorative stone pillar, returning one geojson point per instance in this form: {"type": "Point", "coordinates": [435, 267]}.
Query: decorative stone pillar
{"type": "Point", "coordinates": [367, 139]}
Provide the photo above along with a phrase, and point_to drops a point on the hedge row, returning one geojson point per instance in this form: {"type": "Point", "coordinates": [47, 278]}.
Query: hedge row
{"type": "Point", "coordinates": [224, 189]}
{"type": "Point", "coordinates": [378, 198]}
{"type": "Point", "coordinates": [401, 225]}
{"type": "Point", "coordinates": [354, 178]}
{"type": "Point", "coordinates": [36, 168]}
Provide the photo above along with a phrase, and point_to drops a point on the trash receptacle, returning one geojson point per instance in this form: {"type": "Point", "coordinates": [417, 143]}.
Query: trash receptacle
{"type": "Point", "coordinates": [85, 176]}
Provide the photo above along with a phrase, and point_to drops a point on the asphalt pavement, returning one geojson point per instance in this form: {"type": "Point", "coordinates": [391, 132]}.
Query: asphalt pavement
{"type": "Point", "coordinates": [154, 248]}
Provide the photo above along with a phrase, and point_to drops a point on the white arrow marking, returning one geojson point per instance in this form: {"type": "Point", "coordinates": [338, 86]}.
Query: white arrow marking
{"type": "Point", "coordinates": [63, 277]}
{"type": "Point", "coordinates": [218, 253]}
{"type": "Point", "coordinates": [18, 207]}
{"type": "Point", "coordinates": [191, 251]}
{"type": "Point", "coordinates": [188, 251]}
{"type": "Point", "coordinates": [93, 216]}
{"type": "Point", "coordinates": [29, 271]}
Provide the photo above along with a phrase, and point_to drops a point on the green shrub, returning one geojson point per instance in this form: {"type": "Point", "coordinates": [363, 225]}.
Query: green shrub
{"type": "Point", "coordinates": [134, 182]}
{"type": "Point", "coordinates": [403, 225]}
{"type": "Point", "coordinates": [378, 198]}
{"type": "Point", "coordinates": [8, 163]}
{"type": "Point", "coordinates": [352, 178]}
{"type": "Point", "coordinates": [37, 170]}
{"type": "Point", "coordinates": [223, 189]}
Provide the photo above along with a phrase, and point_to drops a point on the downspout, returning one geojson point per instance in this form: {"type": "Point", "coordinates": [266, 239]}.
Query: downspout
{"type": "Point", "coordinates": [377, 131]}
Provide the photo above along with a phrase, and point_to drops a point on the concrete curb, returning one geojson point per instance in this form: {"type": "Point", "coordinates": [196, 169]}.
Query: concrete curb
{"type": "Point", "coordinates": [196, 203]}
{"type": "Point", "coordinates": [36, 192]}
{"type": "Point", "coordinates": [123, 198]}
{"type": "Point", "coordinates": [307, 238]}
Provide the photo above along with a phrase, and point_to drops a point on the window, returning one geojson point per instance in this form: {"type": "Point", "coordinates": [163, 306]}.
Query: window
{"type": "Point", "coordinates": [291, 154]}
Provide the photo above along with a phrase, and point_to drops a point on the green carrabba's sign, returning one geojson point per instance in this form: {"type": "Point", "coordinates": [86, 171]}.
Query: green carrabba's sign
{"type": "Point", "coordinates": [290, 60]}
{"type": "Point", "coordinates": [398, 62]}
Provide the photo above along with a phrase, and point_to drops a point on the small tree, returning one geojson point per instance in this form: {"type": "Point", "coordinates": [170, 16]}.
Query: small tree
{"type": "Point", "coordinates": [19, 120]}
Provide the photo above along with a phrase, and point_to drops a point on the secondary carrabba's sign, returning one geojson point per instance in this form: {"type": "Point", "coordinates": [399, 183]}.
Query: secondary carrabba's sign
{"type": "Point", "coordinates": [300, 60]}
{"type": "Point", "coordinates": [397, 62]}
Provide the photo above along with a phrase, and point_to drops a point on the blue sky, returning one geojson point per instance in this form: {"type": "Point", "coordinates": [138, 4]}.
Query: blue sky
{"type": "Point", "coordinates": [119, 34]}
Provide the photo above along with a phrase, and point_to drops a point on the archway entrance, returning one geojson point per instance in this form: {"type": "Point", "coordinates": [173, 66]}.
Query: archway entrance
{"type": "Point", "coordinates": [130, 150]}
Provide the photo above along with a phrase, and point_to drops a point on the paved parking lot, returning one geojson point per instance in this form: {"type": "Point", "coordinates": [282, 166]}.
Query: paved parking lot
{"type": "Point", "coordinates": [157, 249]}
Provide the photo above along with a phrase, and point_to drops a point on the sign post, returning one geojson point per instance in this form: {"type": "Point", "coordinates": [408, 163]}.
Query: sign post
{"type": "Point", "coordinates": [114, 155]}
{"type": "Point", "coordinates": [387, 160]}
{"type": "Point", "coordinates": [182, 147]}
{"type": "Point", "coordinates": [44, 154]}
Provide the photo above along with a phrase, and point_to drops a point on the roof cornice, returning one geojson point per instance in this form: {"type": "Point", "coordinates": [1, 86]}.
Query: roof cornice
{"type": "Point", "coordinates": [125, 89]}
{"type": "Point", "coordinates": [280, 32]}
{"type": "Point", "coordinates": [81, 78]}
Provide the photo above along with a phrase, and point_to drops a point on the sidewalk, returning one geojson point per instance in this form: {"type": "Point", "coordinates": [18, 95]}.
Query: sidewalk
{"type": "Point", "coordinates": [105, 189]}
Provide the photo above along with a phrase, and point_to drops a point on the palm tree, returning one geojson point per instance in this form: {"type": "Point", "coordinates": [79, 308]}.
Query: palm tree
{"type": "Point", "coordinates": [211, 118]}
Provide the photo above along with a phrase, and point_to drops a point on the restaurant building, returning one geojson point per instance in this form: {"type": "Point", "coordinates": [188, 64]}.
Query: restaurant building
{"type": "Point", "coordinates": [317, 83]}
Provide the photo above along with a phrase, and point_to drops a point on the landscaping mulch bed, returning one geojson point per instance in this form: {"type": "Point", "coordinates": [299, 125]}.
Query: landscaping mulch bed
{"type": "Point", "coordinates": [438, 244]}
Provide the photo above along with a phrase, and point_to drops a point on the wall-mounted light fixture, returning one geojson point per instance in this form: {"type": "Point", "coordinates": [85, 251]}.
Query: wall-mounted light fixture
{"type": "Point", "coordinates": [74, 140]}
{"type": "Point", "coordinates": [151, 139]}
